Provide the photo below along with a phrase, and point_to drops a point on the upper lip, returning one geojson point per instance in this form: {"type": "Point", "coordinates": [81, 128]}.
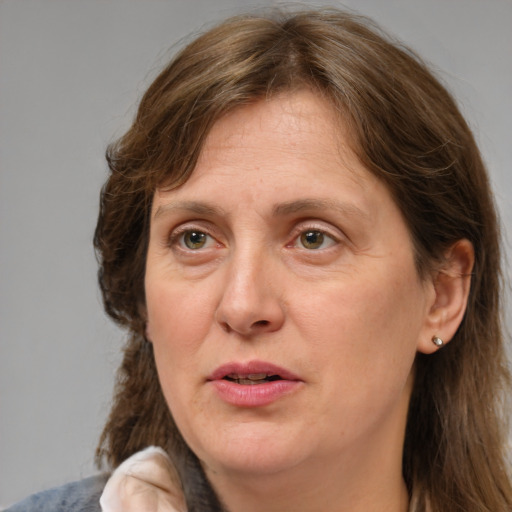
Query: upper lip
{"type": "Point", "coordinates": [250, 368]}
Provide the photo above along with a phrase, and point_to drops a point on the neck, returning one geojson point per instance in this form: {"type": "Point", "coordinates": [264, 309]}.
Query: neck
{"type": "Point", "coordinates": [330, 493]}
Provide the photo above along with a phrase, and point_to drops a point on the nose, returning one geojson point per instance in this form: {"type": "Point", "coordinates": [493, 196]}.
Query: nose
{"type": "Point", "coordinates": [251, 301]}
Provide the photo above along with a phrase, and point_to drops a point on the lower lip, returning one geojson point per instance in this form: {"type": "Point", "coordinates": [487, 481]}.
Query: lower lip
{"type": "Point", "coordinates": [255, 395]}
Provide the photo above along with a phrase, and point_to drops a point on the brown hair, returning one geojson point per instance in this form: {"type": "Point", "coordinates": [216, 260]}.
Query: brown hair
{"type": "Point", "coordinates": [408, 131]}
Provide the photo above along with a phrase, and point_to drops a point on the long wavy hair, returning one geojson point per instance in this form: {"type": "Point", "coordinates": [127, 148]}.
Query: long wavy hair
{"type": "Point", "coordinates": [408, 131]}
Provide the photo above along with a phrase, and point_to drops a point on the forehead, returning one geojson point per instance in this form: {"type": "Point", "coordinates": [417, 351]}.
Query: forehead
{"type": "Point", "coordinates": [282, 133]}
{"type": "Point", "coordinates": [292, 147]}
{"type": "Point", "coordinates": [295, 124]}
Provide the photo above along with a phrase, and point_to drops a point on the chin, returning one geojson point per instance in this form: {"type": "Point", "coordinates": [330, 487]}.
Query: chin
{"type": "Point", "coordinates": [257, 452]}
{"type": "Point", "coordinates": [257, 465]}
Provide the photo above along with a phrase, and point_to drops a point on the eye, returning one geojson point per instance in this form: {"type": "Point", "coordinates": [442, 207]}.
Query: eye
{"type": "Point", "coordinates": [194, 240]}
{"type": "Point", "coordinates": [312, 239]}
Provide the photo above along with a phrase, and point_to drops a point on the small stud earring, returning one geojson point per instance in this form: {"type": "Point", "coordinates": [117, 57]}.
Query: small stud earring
{"type": "Point", "coordinates": [438, 342]}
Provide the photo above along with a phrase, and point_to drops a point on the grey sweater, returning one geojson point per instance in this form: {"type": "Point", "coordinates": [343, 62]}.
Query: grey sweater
{"type": "Point", "coordinates": [81, 496]}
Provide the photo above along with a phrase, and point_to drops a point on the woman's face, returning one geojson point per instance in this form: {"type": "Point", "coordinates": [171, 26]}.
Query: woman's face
{"type": "Point", "coordinates": [283, 301]}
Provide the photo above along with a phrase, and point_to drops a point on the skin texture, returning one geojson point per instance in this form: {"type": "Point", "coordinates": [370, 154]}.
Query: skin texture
{"type": "Point", "coordinates": [346, 316]}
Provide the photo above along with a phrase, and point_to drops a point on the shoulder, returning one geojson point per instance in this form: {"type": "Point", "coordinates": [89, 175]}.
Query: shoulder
{"type": "Point", "coordinates": [81, 496]}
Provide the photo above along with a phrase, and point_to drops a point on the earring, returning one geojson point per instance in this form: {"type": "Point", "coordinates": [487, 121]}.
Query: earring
{"type": "Point", "coordinates": [438, 342]}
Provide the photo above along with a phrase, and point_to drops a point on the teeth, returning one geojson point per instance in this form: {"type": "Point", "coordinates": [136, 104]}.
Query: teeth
{"type": "Point", "coordinates": [257, 376]}
{"type": "Point", "coordinates": [247, 382]}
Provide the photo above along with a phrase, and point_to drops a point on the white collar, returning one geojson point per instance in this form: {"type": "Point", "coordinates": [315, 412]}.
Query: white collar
{"type": "Point", "coordinates": [145, 482]}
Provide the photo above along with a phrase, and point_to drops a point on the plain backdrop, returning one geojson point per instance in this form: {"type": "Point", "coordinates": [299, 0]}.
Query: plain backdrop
{"type": "Point", "coordinates": [71, 72]}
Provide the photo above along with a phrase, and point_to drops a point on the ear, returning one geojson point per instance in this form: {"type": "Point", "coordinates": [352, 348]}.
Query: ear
{"type": "Point", "coordinates": [451, 284]}
{"type": "Point", "coordinates": [147, 332]}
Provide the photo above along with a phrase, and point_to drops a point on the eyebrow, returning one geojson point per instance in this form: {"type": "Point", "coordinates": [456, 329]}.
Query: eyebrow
{"type": "Point", "coordinates": [312, 205]}
{"type": "Point", "coordinates": [199, 208]}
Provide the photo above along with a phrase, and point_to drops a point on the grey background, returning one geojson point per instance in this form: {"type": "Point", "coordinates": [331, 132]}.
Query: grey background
{"type": "Point", "coordinates": [71, 72]}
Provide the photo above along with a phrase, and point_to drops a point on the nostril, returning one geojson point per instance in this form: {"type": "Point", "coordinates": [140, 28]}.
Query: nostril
{"type": "Point", "coordinates": [261, 323]}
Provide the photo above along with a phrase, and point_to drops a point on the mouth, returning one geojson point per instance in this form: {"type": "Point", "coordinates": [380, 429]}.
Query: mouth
{"type": "Point", "coordinates": [254, 384]}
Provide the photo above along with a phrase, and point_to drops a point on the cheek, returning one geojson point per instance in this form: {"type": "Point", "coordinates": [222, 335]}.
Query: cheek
{"type": "Point", "coordinates": [372, 334]}
{"type": "Point", "coordinates": [365, 309]}
{"type": "Point", "coordinates": [367, 327]}
{"type": "Point", "coordinates": [179, 318]}
{"type": "Point", "coordinates": [178, 322]}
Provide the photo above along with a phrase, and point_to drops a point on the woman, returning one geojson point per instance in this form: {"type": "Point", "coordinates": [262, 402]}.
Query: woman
{"type": "Point", "coordinates": [299, 235]}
